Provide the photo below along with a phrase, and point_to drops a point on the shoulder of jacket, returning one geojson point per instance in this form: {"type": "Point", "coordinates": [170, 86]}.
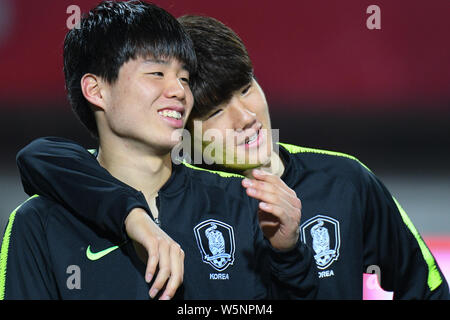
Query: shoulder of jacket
{"type": "Point", "coordinates": [35, 210]}
{"type": "Point", "coordinates": [338, 158]}
{"type": "Point", "coordinates": [337, 164]}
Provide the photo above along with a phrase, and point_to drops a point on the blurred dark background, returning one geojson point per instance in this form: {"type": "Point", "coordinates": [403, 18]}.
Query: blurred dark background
{"type": "Point", "coordinates": [380, 95]}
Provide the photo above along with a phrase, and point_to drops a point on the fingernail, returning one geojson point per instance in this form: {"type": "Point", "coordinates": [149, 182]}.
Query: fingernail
{"type": "Point", "coordinates": [263, 205]}
{"type": "Point", "coordinates": [247, 182]}
{"type": "Point", "coordinates": [165, 297]}
{"type": "Point", "coordinates": [153, 293]}
{"type": "Point", "coordinates": [251, 191]}
{"type": "Point", "coordinates": [148, 277]}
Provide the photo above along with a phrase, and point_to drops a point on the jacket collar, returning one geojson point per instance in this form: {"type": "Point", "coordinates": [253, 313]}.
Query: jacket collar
{"type": "Point", "coordinates": [177, 181]}
{"type": "Point", "coordinates": [292, 168]}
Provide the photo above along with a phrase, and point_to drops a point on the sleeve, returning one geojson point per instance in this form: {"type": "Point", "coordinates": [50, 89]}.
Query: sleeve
{"type": "Point", "coordinates": [393, 246]}
{"type": "Point", "coordinates": [67, 173]}
{"type": "Point", "coordinates": [25, 267]}
{"type": "Point", "coordinates": [294, 273]}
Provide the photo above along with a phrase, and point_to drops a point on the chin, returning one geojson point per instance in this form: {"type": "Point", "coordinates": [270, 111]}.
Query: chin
{"type": "Point", "coordinates": [242, 167]}
{"type": "Point", "coordinates": [249, 161]}
{"type": "Point", "coordinates": [163, 147]}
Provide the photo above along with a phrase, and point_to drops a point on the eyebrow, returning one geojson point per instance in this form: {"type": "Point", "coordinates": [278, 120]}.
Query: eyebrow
{"type": "Point", "coordinates": [163, 62]}
{"type": "Point", "coordinates": [157, 61]}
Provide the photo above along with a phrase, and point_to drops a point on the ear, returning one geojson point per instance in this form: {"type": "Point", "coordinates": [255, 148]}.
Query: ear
{"type": "Point", "coordinates": [92, 86]}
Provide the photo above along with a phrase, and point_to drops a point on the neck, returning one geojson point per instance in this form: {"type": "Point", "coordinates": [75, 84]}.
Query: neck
{"type": "Point", "coordinates": [143, 170]}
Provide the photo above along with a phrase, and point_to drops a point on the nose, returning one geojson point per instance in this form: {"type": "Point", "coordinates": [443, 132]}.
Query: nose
{"type": "Point", "coordinates": [243, 118]}
{"type": "Point", "coordinates": [175, 89]}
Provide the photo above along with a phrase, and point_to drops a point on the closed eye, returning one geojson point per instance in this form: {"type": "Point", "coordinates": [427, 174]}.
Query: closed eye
{"type": "Point", "coordinates": [158, 74]}
{"type": "Point", "coordinates": [218, 111]}
{"type": "Point", "coordinates": [246, 90]}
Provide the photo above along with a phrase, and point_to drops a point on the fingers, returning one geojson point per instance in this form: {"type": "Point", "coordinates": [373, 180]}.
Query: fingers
{"type": "Point", "coordinates": [177, 271]}
{"type": "Point", "coordinates": [280, 216]}
{"type": "Point", "coordinates": [270, 194]}
{"type": "Point", "coordinates": [271, 190]}
{"type": "Point", "coordinates": [164, 269]}
{"type": "Point", "coordinates": [267, 219]}
{"type": "Point", "coordinates": [153, 259]}
{"type": "Point", "coordinates": [279, 208]}
{"type": "Point", "coordinates": [164, 257]}
{"type": "Point", "coordinates": [273, 179]}
{"type": "Point", "coordinates": [171, 270]}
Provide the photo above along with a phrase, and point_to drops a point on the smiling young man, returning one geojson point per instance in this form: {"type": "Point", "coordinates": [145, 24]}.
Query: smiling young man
{"type": "Point", "coordinates": [348, 217]}
{"type": "Point", "coordinates": [127, 71]}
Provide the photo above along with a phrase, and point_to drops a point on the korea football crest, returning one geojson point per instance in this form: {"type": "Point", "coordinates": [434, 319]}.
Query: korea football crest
{"type": "Point", "coordinates": [215, 239]}
{"type": "Point", "coordinates": [323, 235]}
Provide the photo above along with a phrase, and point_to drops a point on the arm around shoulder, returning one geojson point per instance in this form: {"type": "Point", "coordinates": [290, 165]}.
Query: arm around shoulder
{"type": "Point", "coordinates": [67, 173]}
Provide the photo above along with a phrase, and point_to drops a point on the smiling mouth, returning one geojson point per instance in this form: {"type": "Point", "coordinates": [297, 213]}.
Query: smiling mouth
{"type": "Point", "coordinates": [170, 114]}
{"type": "Point", "coordinates": [252, 138]}
{"type": "Point", "coordinates": [255, 140]}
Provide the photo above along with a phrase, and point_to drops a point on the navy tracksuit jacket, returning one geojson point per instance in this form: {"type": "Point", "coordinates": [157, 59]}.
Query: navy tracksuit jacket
{"type": "Point", "coordinates": [59, 249]}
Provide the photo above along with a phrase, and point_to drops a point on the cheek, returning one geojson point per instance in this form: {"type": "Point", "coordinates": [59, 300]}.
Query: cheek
{"type": "Point", "coordinates": [258, 105]}
{"type": "Point", "coordinates": [210, 134]}
{"type": "Point", "coordinates": [209, 129]}
{"type": "Point", "coordinates": [262, 112]}
{"type": "Point", "coordinates": [189, 99]}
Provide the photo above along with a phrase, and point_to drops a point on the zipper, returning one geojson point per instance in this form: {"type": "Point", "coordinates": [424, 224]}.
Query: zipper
{"type": "Point", "coordinates": [157, 220]}
{"type": "Point", "coordinates": [150, 206]}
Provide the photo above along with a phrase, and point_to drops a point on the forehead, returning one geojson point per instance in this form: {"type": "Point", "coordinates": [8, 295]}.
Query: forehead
{"type": "Point", "coordinates": [142, 62]}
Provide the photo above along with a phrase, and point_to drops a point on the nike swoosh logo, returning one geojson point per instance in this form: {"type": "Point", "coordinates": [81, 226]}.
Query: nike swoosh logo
{"type": "Point", "coordinates": [93, 256]}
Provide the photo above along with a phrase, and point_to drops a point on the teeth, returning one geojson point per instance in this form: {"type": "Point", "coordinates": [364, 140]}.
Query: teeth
{"type": "Point", "coordinates": [170, 113]}
{"type": "Point", "coordinates": [251, 139]}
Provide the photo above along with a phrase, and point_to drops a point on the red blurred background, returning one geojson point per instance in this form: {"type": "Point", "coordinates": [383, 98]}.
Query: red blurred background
{"type": "Point", "coordinates": [318, 52]}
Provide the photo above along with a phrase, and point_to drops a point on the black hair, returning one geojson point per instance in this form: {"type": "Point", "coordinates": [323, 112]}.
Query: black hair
{"type": "Point", "coordinates": [112, 34]}
{"type": "Point", "coordinates": [224, 65]}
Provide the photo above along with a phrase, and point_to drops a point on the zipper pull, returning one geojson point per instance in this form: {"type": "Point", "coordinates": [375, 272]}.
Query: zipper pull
{"type": "Point", "coordinates": [158, 222]}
